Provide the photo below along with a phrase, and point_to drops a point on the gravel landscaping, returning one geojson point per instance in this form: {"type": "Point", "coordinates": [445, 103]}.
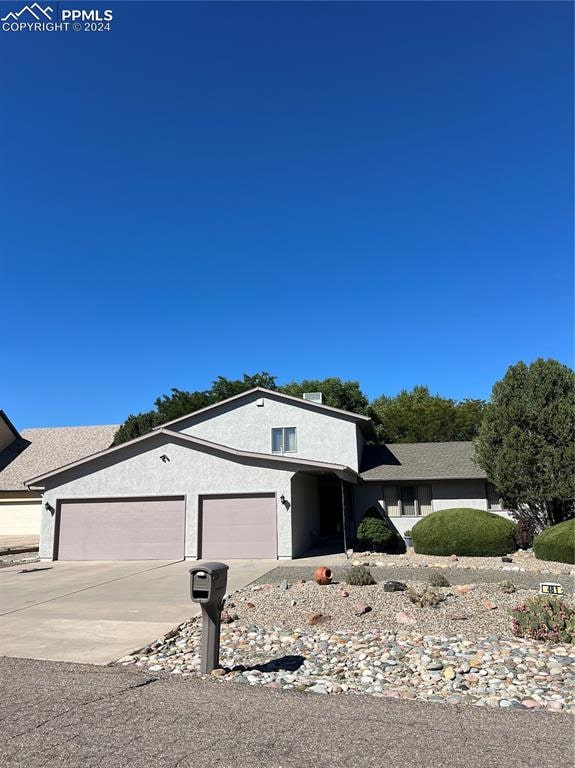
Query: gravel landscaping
{"type": "Point", "coordinates": [408, 573]}
{"type": "Point", "coordinates": [522, 561]}
{"type": "Point", "coordinates": [348, 639]}
{"type": "Point", "coordinates": [19, 558]}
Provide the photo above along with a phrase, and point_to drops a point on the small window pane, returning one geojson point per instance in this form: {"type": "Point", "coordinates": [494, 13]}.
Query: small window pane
{"type": "Point", "coordinates": [493, 500]}
{"type": "Point", "coordinates": [289, 439]}
{"type": "Point", "coordinates": [408, 500]}
{"type": "Point", "coordinates": [277, 435]}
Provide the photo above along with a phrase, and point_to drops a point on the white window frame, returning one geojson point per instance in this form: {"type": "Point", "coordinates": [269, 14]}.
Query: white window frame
{"type": "Point", "coordinates": [283, 431]}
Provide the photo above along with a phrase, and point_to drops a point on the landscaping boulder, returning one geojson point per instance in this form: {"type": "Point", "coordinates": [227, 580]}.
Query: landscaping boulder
{"type": "Point", "coordinates": [394, 586]}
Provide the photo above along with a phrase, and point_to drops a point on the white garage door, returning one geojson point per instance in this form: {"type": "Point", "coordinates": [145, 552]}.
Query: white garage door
{"type": "Point", "coordinates": [121, 529]}
{"type": "Point", "coordinates": [238, 527]}
{"type": "Point", "coordinates": [20, 517]}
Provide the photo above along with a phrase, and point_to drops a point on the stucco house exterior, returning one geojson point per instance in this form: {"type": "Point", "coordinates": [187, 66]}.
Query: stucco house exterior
{"type": "Point", "coordinates": [260, 475]}
{"type": "Point", "coordinates": [34, 451]}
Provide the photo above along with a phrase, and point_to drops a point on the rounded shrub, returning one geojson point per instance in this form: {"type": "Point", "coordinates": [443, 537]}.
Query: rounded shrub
{"type": "Point", "coordinates": [464, 532]}
{"type": "Point", "coordinates": [557, 543]}
{"type": "Point", "coordinates": [375, 533]}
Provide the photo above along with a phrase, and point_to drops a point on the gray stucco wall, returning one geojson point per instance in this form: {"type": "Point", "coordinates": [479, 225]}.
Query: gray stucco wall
{"type": "Point", "coordinates": [458, 493]}
{"type": "Point", "coordinates": [138, 470]}
{"type": "Point", "coordinates": [248, 426]}
{"type": "Point", "coordinates": [305, 512]}
{"type": "Point", "coordinates": [368, 495]}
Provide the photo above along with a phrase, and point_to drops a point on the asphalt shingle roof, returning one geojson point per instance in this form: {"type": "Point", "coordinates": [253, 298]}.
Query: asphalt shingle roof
{"type": "Point", "coordinates": [419, 461]}
{"type": "Point", "coordinates": [43, 449]}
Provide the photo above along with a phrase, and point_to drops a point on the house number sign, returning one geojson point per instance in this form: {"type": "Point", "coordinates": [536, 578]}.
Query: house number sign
{"type": "Point", "coordinates": [550, 588]}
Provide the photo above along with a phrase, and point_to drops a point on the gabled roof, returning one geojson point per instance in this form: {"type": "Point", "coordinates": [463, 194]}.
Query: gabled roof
{"type": "Point", "coordinates": [8, 432]}
{"type": "Point", "coordinates": [364, 421]}
{"type": "Point", "coordinates": [420, 461]}
{"type": "Point", "coordinates": [39, 450]}
{"type": "Point", "coordinates": [247, 456]}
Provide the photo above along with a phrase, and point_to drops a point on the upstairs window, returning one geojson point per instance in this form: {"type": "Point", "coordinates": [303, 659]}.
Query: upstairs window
{"type": "Point", "coordinates": [283, 440]}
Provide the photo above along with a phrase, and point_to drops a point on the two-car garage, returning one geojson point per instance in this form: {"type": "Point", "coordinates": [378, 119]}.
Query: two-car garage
{"type": "Point", "coordinates": [154, 528]}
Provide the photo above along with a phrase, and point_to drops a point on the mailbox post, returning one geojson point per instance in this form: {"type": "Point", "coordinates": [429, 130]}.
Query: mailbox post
{"type": "Point", "coordinates": [208, 587]}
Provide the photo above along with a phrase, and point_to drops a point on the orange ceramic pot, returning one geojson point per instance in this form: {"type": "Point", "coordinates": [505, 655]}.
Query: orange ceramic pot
{"type": "Point", "coordinates": [323, 575]}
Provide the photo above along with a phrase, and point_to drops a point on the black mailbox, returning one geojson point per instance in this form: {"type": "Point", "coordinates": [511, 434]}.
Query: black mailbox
{"type": "Point", "coordinates": [208, 583]}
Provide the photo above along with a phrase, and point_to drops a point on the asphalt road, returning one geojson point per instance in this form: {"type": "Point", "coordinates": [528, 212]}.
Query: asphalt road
{"type": "Point", "coordinates": [58, 714]}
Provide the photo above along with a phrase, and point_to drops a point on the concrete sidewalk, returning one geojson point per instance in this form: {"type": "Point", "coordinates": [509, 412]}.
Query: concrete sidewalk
{"type": "Point", "coordinates": [18, 543]}
{"type": "Point", "coordinates": [77, 716]}
{"type": "Point", "coordinates": [97, 612]}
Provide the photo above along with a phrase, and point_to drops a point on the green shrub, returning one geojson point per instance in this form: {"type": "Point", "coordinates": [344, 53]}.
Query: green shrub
{"type": "Point", "coordinates": [437, 579]}
{"type": "Point", "coordinates": [557, 543]}
{"type": "Point", "coordinates": [507, 586]}
{"type": "Point", "coordinates": [375, 533]}
{"type": "Point", "coordinates": [358, 576]}
{"type": "Point", "coordinates": [544, 618]}
{"type": "Point", "coordinates": [464, 532]}
{"type": "Point", "coordinates": [428, 597]}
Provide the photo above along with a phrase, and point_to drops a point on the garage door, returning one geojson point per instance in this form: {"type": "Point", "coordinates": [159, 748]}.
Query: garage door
{"type": "Point", "coordinates": [238, 526]}
{"type": "Point", "coordinates": [121, 529]}
{"type": "Point", "coordinates": [20, 518]}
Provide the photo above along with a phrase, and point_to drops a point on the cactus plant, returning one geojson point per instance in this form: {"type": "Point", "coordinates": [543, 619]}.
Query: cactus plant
{"type": "Point", "coordinates": [437, 579]}
{"type": "Point", "coordinates": [544, 618]}
{"type": "Point", "coordinates": [507, 586]}
{"type": "Point", "coordinates": [358, 576]}
{"type": "Point", "coordinates": [428, 597]}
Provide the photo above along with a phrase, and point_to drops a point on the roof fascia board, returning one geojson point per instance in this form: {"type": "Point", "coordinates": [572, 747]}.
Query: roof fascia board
{"type": "Point", "coordinates": [9, 424]}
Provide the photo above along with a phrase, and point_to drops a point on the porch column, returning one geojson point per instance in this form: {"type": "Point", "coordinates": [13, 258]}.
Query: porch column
{"type": "Point", "coordinates": [343, 515]}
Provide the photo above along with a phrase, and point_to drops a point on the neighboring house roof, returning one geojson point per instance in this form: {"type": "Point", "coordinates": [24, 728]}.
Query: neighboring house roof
{"type": "Point", "coordinates": [39, 450]}
{"type": "Point", "coordinates": [8, 432]}
{"type": "Point", "coordinates": [250, 456]}
{"type": "Point", "coordinates": [420, 461]}
{"type": "Point", "coordinates": [364, 421]}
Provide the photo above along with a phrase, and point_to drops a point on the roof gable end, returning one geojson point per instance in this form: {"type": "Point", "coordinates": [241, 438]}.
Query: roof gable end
{"type": "Point", "coordinates": [237, 401]}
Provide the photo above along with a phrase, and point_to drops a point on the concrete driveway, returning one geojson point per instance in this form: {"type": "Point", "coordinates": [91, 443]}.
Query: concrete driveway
{"type": "Point", "coordinates": [97, 612]}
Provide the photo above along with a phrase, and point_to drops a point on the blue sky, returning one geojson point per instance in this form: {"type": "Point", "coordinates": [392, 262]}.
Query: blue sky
{"type": "Point", "coordinates": [378, 191]}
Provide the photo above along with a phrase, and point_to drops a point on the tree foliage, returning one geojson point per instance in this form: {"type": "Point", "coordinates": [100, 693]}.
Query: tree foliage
{"type": "Point", "coordinates": [418, 417]}
{"type": "Point", "coordinates": [525, 442]}
{"type": "Point", "coordinates": [346, 395]}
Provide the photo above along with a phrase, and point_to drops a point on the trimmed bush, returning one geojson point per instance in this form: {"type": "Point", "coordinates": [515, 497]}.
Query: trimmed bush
{"type": "Point", "coordinates": [464, 532]}
{"type": "Point", "coordinates": [375, 533]}
{"type": "Point", "coordinates": [544, 618]}
{"type": "Point", "coordinates": [557, 543]}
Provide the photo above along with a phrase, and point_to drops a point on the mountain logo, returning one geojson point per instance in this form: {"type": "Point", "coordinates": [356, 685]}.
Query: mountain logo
{"type": "Point", "coordinates": [34, 10]}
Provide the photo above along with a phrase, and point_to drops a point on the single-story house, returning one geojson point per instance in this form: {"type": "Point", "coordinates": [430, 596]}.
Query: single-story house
{"type": "Point", "coordinates": [34, 451]}
{"type": "Point", "coordinates": [408, 480]}
{"type": "Point", "coordinates": [259, 475]}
